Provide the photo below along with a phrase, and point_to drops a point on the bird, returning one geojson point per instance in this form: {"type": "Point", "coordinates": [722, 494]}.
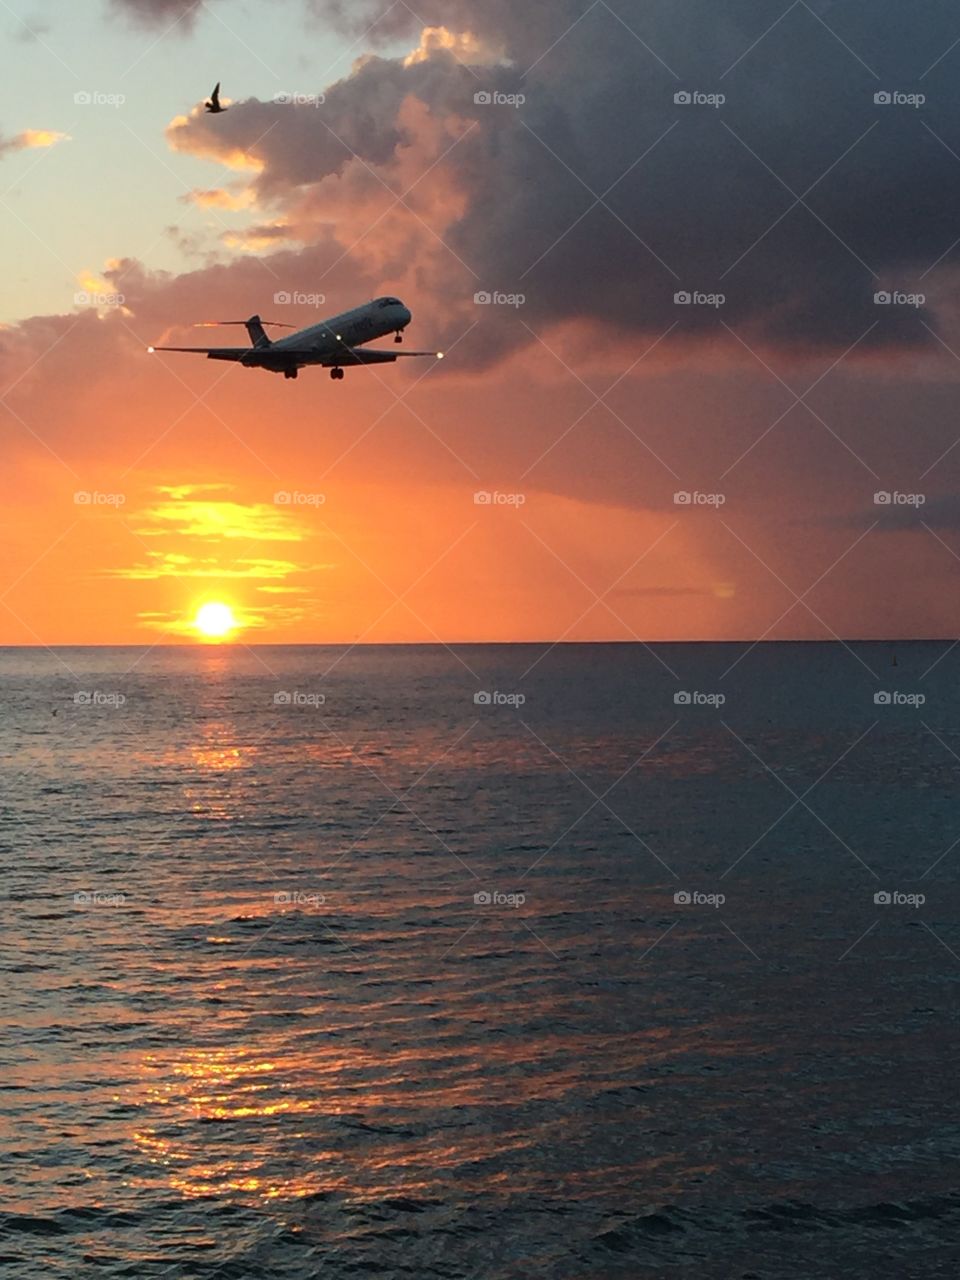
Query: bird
{"type": "Point", "coordinates": [213, 105]}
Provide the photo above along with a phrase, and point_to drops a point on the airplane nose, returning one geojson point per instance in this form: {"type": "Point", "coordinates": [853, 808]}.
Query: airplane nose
{"type": "Point", "coordinates": [407, 316]}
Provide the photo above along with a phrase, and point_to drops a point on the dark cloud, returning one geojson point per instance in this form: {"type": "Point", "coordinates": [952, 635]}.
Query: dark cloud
{"type": "Point", "coordinates": [160, 13]}
{"type": "Point", "coordinates": [692, 198]}
{"type": "Point", "coordinates": [303, 144]}
{"type": "Point", "coordinates": [895, 511]}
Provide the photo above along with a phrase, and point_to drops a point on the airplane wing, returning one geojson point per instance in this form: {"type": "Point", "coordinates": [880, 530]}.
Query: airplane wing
{"type": "Point", "coordinates": [253, 356]}
{"type": "Point", "coordinates": [214, 353]}
{"type": "Point", "coordinates": [363, 355]}
{"type": "Point", "coordinates": [282, 358]}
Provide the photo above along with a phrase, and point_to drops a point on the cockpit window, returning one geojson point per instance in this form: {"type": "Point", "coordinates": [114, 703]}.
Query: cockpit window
{"type": "Point", "coordinates": [390, 302]}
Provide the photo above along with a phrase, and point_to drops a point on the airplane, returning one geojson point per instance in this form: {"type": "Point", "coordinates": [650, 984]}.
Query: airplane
{"type": "Point", "coordinates": [333, 344]}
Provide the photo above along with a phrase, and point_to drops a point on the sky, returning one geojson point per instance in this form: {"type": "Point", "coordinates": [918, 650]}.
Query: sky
{"type": "Point", "coordinates": [693, 265]}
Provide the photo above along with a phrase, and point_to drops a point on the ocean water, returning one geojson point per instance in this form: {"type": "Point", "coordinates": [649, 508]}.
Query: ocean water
{"type": "Point", "coordinates": [315, 965]}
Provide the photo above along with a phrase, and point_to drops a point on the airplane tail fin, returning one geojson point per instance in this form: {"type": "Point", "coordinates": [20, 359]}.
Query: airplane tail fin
{"type": "Point", "coordinates": [258, 335]}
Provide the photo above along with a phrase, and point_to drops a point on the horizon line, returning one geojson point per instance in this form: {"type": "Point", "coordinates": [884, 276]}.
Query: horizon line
{"type": "Point", "coordinates": [476, 644]}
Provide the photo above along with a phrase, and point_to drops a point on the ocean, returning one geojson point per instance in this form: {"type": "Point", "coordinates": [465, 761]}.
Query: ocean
{"type": "Point", "coordinates": [482, 963]}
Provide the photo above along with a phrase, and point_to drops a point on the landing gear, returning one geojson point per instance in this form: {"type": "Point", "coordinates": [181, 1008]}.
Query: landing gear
{"type": "Point", "coordinates": [336, 374]}
{"type": "Point", "coordinates": [290, 373]}
{"type": "Point", "coordinates": [399, 337]}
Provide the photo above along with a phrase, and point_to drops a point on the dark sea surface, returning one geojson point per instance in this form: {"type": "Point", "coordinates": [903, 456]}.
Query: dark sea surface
{"type": "Point", "coordinates": [254, 1022]}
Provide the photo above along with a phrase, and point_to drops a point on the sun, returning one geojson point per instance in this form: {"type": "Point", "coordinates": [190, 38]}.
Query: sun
{"type": "Point", "coordinates": [215, 621]}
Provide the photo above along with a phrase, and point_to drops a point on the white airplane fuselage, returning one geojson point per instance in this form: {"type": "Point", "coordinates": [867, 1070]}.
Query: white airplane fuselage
{"type": "Point", "coordinates": [353, 328]}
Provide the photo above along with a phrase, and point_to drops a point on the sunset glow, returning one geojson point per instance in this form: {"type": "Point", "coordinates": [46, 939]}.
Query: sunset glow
{"type": "Point", "coordinates": [615, 447]}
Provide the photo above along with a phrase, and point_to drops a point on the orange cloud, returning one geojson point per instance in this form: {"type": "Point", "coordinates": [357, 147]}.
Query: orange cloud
{"type": "Point", "coordinates": [218, 545]}
{"type": "Point", "coordinates": [206, 519]}
{"type": "Point", "coordinates": [30, 139]}
{"type": "Point", "coordinates": [464, 45]}
{"type": "Point", "coordinates": [255, 239]}
{"type": "Point", "coordinates": [220, 198]}
{"type": "Point", "coordinates": [183, 135]}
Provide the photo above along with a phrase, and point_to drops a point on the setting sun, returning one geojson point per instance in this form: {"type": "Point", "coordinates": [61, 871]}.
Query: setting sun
{"type": "Point", "coordinates": [215, 621]}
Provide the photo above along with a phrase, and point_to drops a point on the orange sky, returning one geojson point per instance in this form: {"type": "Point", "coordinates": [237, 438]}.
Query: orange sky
{"type": "Point", "coordinates": [139, 492]}
{"type": "Point", "coordinates": [136, 488]}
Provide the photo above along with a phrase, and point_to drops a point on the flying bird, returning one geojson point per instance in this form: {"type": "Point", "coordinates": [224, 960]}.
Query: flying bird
{"type": "Point", "coordinates": [214, 104]}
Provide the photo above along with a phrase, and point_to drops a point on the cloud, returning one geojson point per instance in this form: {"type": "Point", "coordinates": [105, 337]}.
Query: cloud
{"type": "Point", "coordinates": [31, 139]}
{"type": "Point", "coordinates": [255, 239]}
{"type": "Point", "coordinates": [896, 512]}
{"type": "Point", "coordinates": [219, 198]}
{"type": "Point", "coordinates": [184, 513]}
{"type": "Point", "coordinates": [160, 564]}
{"type": "Point", "coordinates": [194, 244]}
{"type": "Point", "coordinates": [299, 142]}
{"type": "Point", "coordinates": [211, 538]}
{"type": "Point", "coordinates": [160, 13]}
{"type": "Point", "coordinates": [601, 197]}
{"type": "Point", "coordinates": [464, 46]}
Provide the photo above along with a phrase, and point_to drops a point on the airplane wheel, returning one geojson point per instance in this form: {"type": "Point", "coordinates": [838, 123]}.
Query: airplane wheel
{"type": "Point", "coordinates": [399, 337]}
{"type": "Point", "coordinates": [336, 374]}
{"type": "Point", "coordinates": [290, 373]}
